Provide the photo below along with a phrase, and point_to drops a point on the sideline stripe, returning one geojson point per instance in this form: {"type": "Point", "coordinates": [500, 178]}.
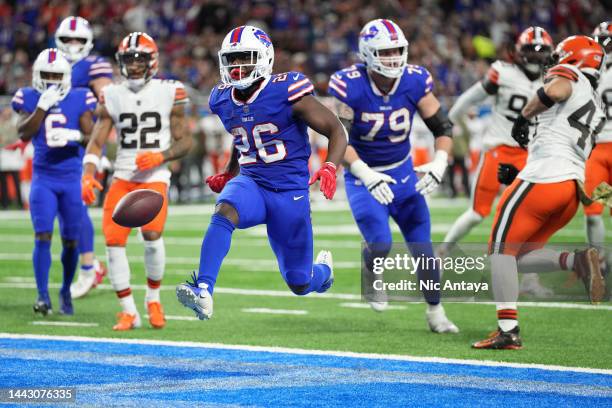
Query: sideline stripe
{"type": "Point", "coordinates": [314, 352]}
{"type": "Point", "coordinates": [337, 296]}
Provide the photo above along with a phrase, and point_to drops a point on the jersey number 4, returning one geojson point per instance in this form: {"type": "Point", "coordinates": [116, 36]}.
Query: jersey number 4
{"type": "Point", "coordinates": [243, 144]}
{"type": "Point", "coordinates": [587, 109]}
{"type": "Point", "coordinates": [399, 121]}
{"type": "Point", "coordinates": [127, 133]}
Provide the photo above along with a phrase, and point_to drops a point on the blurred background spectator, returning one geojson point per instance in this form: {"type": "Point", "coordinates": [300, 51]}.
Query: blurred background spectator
{"type": "Point", "coordinates": [454, 39]}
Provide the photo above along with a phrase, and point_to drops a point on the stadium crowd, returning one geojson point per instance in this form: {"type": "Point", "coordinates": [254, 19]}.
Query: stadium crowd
{"type": "Point", "coordinates": [454, 39]}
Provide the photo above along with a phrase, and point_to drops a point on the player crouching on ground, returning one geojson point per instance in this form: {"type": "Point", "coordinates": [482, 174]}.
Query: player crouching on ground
{"type": "Point", "coordinates": [149, 115]}
{"type": "Point", "coordinates": [268, 115]}
{"type": "Point", "coordinates": [545, 195]}
{"type": "Point", "coordinates": [54, 116]}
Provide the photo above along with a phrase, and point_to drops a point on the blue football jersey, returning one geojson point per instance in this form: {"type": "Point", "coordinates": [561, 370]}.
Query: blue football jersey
{"type": "Point", "coordinates": [272, 143]}
{"type": "Point", "coordinates": [90, 68]}
{"type": "Point", "coordinates": [57, 162]}
{"type": "Point", "coordinates": [381, 125]}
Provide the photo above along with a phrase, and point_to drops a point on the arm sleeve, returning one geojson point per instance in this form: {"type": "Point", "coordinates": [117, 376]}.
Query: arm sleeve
{"type": "Point", "coordinates": [100, 68]}
{"type": "Point", "coordinates": [299, 87]}
{"type": "Point", "coordinates": [180, 94]}
{"type": "Point", "coordinates": [475, 94]}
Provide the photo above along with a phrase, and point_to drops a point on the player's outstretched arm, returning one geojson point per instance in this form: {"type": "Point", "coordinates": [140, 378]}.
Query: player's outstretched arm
{"type": "Point", "coordinates": [558, 89]}
{"type": "Point", "coordinates": [323, 121]}
{"type": "Point", "coordinates": [474, 95]}
{"type": "Point", "coordinates": [441, 127]}
{"type": "Point", "coordinates": [86, 124]}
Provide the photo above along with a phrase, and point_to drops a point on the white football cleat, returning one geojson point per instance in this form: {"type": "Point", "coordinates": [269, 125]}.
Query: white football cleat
{"type": "Point", "coordinates": [530, 285]}
{"type": "Point", "coordinates": [438, 322]}
{"type": "Point", "coordinates": [325, 258]}
{"type": "Point", "coordinates": [84, 283]}
{"type": "Point", "coordinates": [196, 297]}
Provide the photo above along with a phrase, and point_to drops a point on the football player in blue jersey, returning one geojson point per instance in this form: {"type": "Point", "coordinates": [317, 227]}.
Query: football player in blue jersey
{"type": "Point", "coordinates": [266, 181]}
{"type": "Point", "coordinates": [74, 38]}
{"type": "Point", "coordinates": [377, 101]}
{"type": "Point", "coordinates": [54, 116]}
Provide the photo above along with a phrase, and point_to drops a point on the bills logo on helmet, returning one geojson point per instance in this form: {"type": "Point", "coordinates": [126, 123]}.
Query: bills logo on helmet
{"type": "Point", "coordinates": [263, 37]}
{"type": "Point", "coordinates": [371, 33]}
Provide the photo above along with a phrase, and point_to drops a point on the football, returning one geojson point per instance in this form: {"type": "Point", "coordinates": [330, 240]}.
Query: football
{"type": "Point", "coordinates": [138, 208]}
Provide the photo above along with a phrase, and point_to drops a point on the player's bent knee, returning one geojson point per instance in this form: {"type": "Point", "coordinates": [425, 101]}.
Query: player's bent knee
{"type": "Point", "coordinates": [151, 235]}
{"type": "Point", "coordinates": [70, 243]}
{"type": "Point", "coordinates": [299, 290]}
{"type": "Point", "coordinates": [43, 236]}
{"type": "Point", "coordinates": [228, 211]}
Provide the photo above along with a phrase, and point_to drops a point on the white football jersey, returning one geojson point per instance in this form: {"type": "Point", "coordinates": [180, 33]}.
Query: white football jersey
{"type": "Point", "coordinates": [565, 134]}
{"type": "Point", "coordinates": [513, 92]}
{"type": "Point", "coordinates": [142, 120]}
{"type": "Point", "coordinates": [605, 90]}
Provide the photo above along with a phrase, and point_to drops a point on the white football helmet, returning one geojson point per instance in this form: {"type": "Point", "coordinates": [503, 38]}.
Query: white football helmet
{"type": "Point", "coordinates": [52, 61]}
{"type": "Point", "coordinates": [254, 43]}
{"type": "Point", "coordinates": [382, 34]}
{"type": "Point", "coordinates": [74, 28]}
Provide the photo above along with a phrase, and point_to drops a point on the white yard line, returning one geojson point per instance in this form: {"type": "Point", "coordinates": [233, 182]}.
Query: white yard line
{"type": "Point", "coordinates": [265, 310]}
{"type": "Point", "coordinates": [287, 350]}
{"type": "Point", "coordinates": [67, 324]}
{"type": "Point", "coordinates": [337, 296]}
{"type": "Point", "coordinates": [355, 305]}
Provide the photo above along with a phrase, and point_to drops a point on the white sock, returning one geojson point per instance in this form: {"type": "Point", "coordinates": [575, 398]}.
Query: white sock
{"type": "Point", "coordinates": [128, 305]}
{"type": "Point", "coordinates": [543, 260]}
{"type": "Point", "coordinates": [466, 221]}
{"type": "Point", "coordinates": [504, 278]}
{"type": "Point", "coordinates": [595, 230]}
{"type": "Point", "coordinates": [155, 262]}
{"type": "Point", "coordinates": [118, 268]}
{"type": "Point", "coordinates": [434, 308]}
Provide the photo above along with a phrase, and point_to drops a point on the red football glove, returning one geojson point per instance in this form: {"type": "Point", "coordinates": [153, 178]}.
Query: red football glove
{"type": "Point", "coordinates": [19, 144]}
{"type": "Point", "coordinates": [149, 160]}
{"type": "Point", "coordinates": [88, 184]}
{"type": "Point", "coordinates": [218, 181]}
{"type": "Point", "coordinates": [327, 174]}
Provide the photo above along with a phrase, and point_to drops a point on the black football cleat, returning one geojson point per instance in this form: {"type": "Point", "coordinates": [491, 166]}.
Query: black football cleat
{"type": "Point", "coordinates": [588, 268]}
{"type": "Point", "coordinates": [43, 305]}
{"type": "Point", "coordinates": [501, 340]}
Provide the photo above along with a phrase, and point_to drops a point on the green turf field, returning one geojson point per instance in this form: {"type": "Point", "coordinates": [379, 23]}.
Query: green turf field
{"type": "Point", "coordinates": [250, 280]}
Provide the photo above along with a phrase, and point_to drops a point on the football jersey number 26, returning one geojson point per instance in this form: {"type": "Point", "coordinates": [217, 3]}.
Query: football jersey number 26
{"type": "Point", "coordinates": [261, 147]}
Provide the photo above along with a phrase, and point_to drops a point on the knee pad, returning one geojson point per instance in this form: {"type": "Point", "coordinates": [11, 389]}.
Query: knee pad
{"type": "Point", "coordinates": [69, 243]}
{"type": "Point", "coordinates": [299, 290]}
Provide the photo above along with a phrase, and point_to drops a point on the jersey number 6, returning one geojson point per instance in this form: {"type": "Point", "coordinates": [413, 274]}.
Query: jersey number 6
{"type": "Point", "coordinates": [244, 145]}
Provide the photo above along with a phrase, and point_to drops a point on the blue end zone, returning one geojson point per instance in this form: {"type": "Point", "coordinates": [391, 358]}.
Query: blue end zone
{"type": "Point", "coordinates": [135, 374]}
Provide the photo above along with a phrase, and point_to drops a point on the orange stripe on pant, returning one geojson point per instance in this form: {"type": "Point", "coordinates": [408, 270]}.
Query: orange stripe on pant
{"type": "Point", "coordinates": [115, 234]}
{"type": "Point", "coordinates": [486, 185]}
{"type": "Point", "coordinates": [598, 169]}
{"type": "Point", "coordinates": [528, 214]}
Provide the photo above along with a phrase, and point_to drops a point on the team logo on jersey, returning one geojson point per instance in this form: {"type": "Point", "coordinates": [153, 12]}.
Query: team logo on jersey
{"type": "Point", "coordinates": [263, 37]}
{"type": "Point", "coordinates": [371, 33]}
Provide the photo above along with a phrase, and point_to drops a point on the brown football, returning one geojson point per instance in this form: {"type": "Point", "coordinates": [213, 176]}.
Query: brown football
{"type": "Point", "coordinates": [138, 208]}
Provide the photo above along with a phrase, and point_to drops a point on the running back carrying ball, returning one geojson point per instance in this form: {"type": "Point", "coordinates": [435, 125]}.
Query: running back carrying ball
{"type": "Point", "coordinates": [138, 208]}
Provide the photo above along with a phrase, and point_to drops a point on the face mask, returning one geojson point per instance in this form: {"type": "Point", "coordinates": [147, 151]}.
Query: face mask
{"type": "Point", "coordinates": [136, 84]}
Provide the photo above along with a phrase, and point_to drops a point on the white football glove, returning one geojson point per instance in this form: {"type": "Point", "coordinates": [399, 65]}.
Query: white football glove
{"type": "Point", "coordinates": [434, 172]}
{"type": "Point", "coordinates": [376, 183]}
{"type": "Point", "coordinates": [59, 137]}
{"type": "Point", "coordinates": [50, 97]}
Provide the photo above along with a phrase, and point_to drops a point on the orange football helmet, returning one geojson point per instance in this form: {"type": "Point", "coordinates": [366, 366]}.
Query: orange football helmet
{"type": "Point", "coordinates": [137, 57]}
{"type": "Point", "coordinates": [603, 35]}
{"type": "Point", "coordinates": [583, 52]}
{"type": "Point", "coordinates": [534, 49]}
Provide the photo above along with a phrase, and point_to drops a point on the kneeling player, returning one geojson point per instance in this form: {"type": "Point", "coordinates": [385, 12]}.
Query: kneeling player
{"type": "Point", "coordinates": [149, 115]}
{"type": "Point", "coordinates": [53, 115]}
{"type": "Point", "coordinates": [268, 116]}
{"type": "Point", "coordinates": [544, 196]}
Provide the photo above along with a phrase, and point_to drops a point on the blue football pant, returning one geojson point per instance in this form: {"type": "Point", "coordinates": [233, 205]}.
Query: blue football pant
{"type": "Point", "coordinates": [49, 199]}
{"type": "Point", "coordinates": [411, 214]}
